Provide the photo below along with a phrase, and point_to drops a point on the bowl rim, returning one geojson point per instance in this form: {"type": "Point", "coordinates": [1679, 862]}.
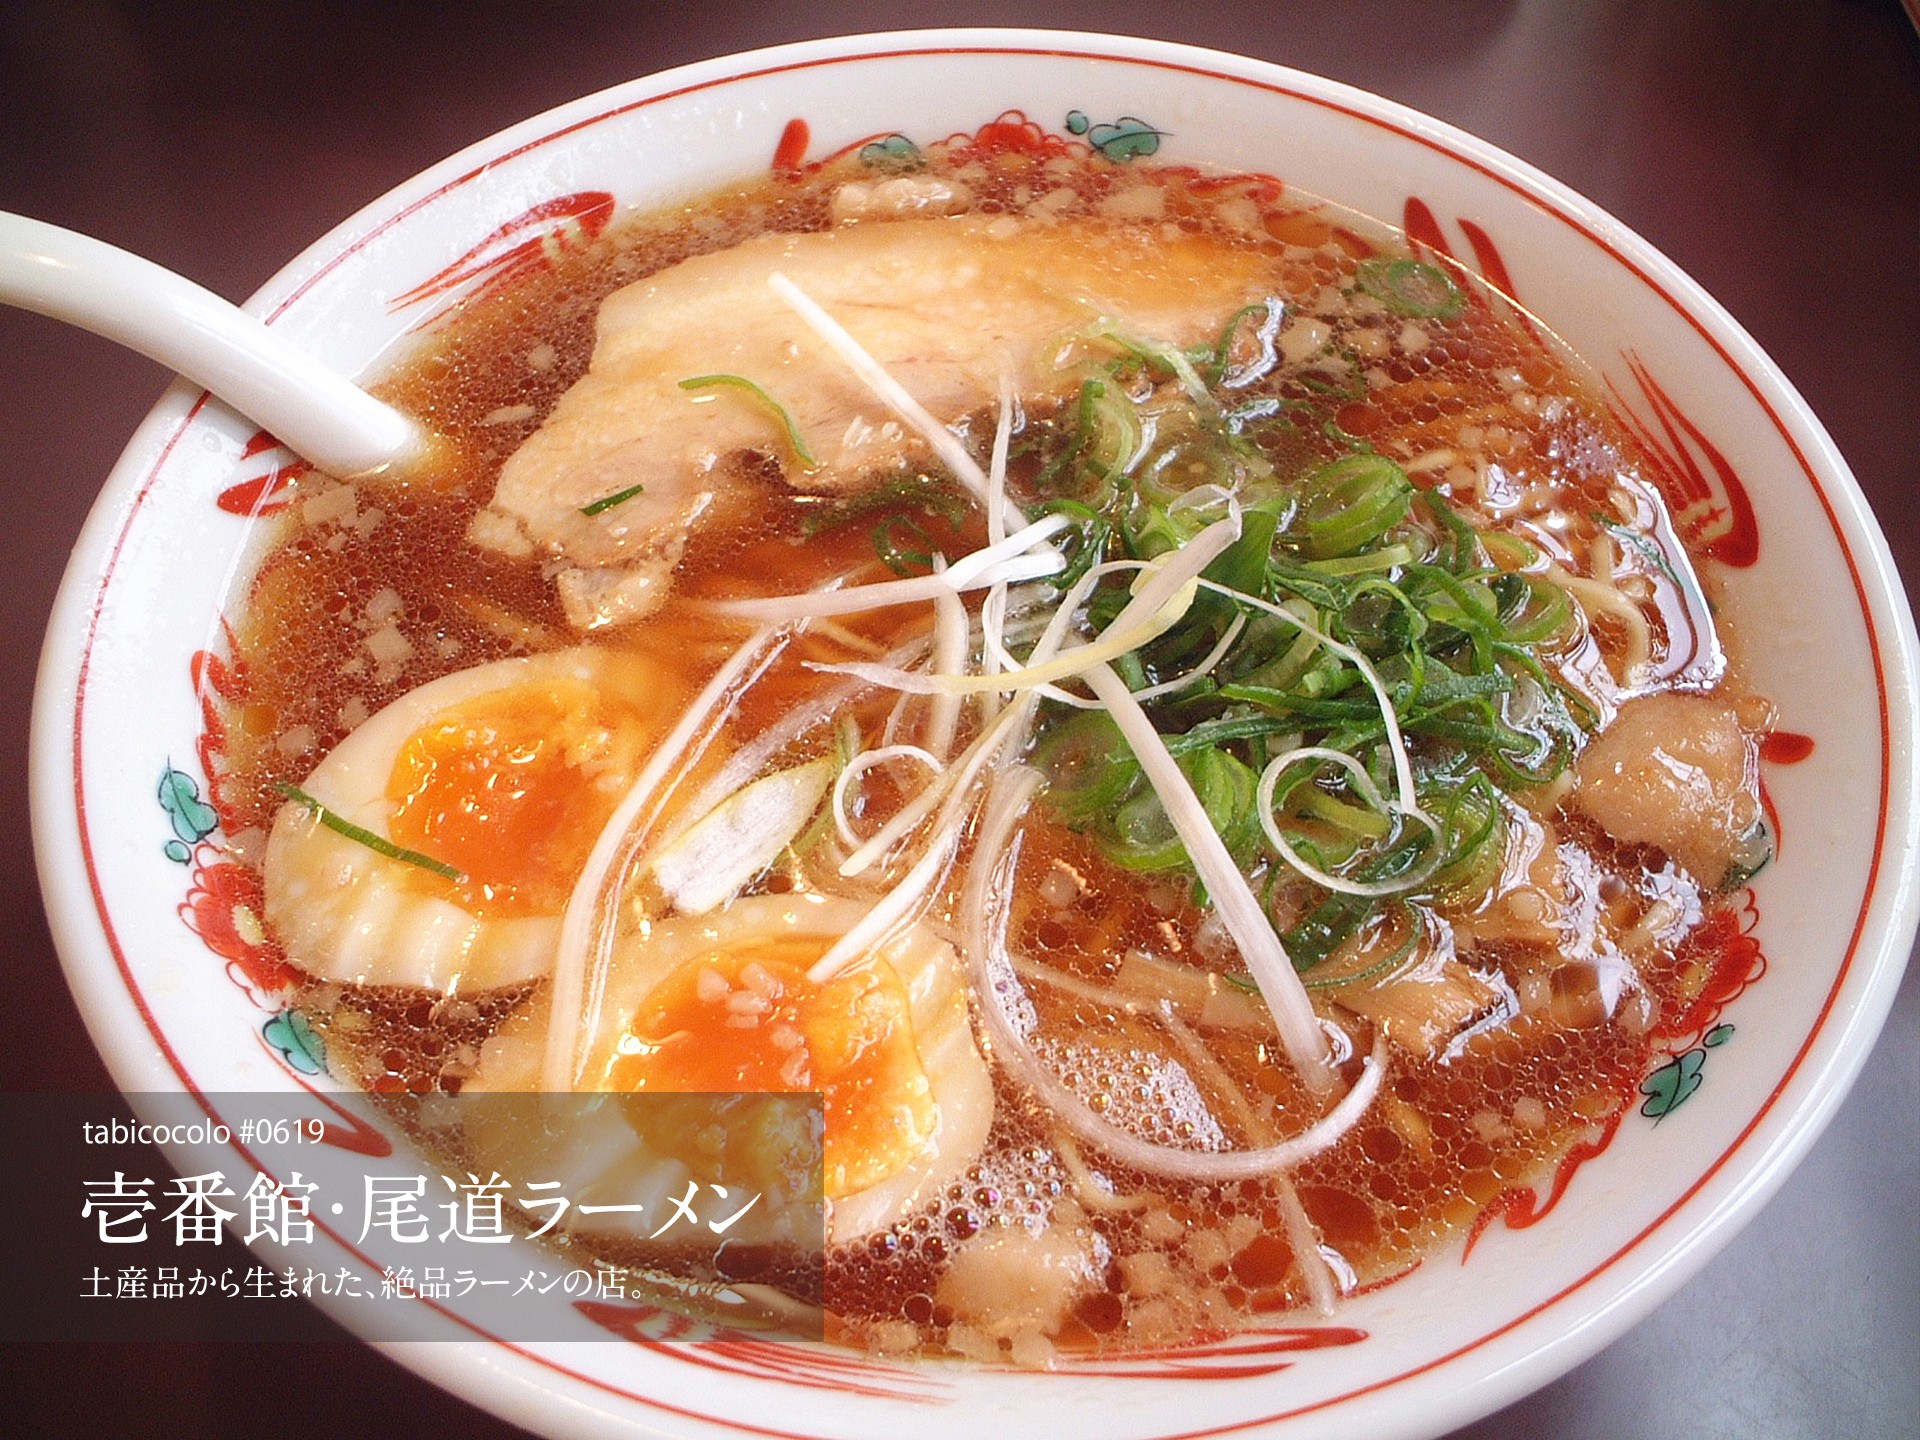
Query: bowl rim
{"type": "Point", "coordinates": [1822, 1070]}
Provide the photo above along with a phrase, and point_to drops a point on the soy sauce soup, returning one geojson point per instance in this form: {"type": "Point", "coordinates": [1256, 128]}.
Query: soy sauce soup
{"type": "Point", "coordinates": [1445, 692]}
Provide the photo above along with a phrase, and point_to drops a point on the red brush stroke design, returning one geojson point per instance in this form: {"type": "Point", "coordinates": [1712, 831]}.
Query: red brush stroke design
{"type": "Point", "coordinates": [1521, 1207]}
{"type": "Point", "coordinates": [1786, 747]}
{"type": "Point", "coordinates": [353, 1134]}
{"type": "Point", "coordinates": [1772, 812]}
{"type": "Point", "coordinates": [215, 681]}
{"type": "Point", "coordinates": [790, 155]}
{"type": "Point", "coordinates": [263, 493]}
{"type": "Point", "coordinates": [1011, 133]}
{"type": "Point", "coordinates": [1709, 504]}
{"type": "Point", "coordinates": [1424, 233]}
{"type": "Point", "coordinates": [221, 889]}
{"type": "Point", "coordinates": [1493, 265]}
{"type": "Point", "coordinates": [1385, 1280]}
{"type": "Point", "coordinates": [1240, 1356]}
{"type": "Point", "coordinates": [1725, 942]}
{"type": "Point", "coordinates": [734, 1352]}
{"type": "Point", "coordinates": [533, 239]}
{"type": "Point", "coordinates": [1423, 229]}
{"type": "Point", "coordinates": [1711, 510]}
{"type": "Point", "coordinates": [1782, 747]}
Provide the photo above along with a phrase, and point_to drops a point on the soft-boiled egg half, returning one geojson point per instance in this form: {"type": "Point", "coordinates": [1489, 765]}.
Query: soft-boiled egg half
{"type": "Point", "coordinates": [501, 776]}
{"type": "Point", "coordinates": [722, 1003]}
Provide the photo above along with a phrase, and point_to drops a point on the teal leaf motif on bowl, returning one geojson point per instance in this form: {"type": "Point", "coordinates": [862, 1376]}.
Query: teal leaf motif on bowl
{"type": "Point", "coordinates": [1674, 1083]}
{"type": "Point", "coordinates": [297, 1042]}
{"type": "Point", "coordinates": [891, 152]}
{"type": "Point", "coordinates": [1128, 138]}
{"type": "Point", "coordinates": [191, 817]}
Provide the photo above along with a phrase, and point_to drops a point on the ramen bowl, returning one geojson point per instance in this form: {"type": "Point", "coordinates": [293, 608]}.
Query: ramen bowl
{"type": "Point", "coordinates": [159, 930]}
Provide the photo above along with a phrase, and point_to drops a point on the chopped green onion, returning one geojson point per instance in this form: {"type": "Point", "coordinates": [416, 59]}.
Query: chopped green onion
{"type": "Point", "coordinates": [1473, 830]}
{"type": "Point", "coordinates": [1088, 766]}
{"type": "Point", "coordinates": [1370, 824]}
{"type": "Point", "coordinates": [1221, 361]}
{"type": "Point", "coordinates": [1243, 565]}
{"type": "Point", "coordinates": [1139, 835]}
{"type": "Point", "coordinates": [1411, 287]}
{"type": "Point", "coordinates": [1381, 969]}
{"type": "Point", "coordinates": [1391, 558]}
{"type": "Point", "coordinates": [795, 441]}
{"type": "Point", "coordinates": [340, 825]}
{"type": "Point", "coordinates": [607, 502]}
{"type": "Point", "coordinates": [1087, 538]}
{"type": "Point", "coordinates": [1350, 504]}
{"type": "Point", "coordinates": [1542, 610]}
{"type": "Point", "coordinates": [1358, 620]}
{"type": "Point", "coordinates": [900, 556]}
{"type": "Point", "coordinates": [903, 492]}
{"type": "Point", "coordinates": [1329, 923]}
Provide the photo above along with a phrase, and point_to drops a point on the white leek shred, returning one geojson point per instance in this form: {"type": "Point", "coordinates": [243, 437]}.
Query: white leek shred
{"type": "Point", "coordinates": [984, 912]}
{"type": "Point", "coordinates": [945, 443]}
{"type": "Point", "coordinates": [857, 599]}
{"type": "Point", "coordinates": [993, 609]}
{"type": "Point", "coordinates": [891, 912]}
{"type": "Point", "coordinates": [1304, 1240]}
{"type": "Point", "coordinates": [1163, 592]}
{"type": "Point", "coordinates": [949, 653]}
{"type": "Point", "coordinates": [728, 847]}
{"type": "Point", "coordinates": [1396, 742]}
{"type": "Point", "coordinates": [900, 903]}
{"type": "Point", "coordinates": [989, 743]}
{"type": "Point", "coordinates": [1363, 783]}
{"type": "Point", "coordinates": [988, 563]}
{"type": "Point", "coordinates": [1205, 667]}
{"type": "Point", "coordinates": [1005, 731]}
{"type": "Point", "coordinates": [997, 659]}
{"type": "Point", "coordinates": [1227, 889]}
{"type": "Point", "coordinates": [858, 766]}
{"type": "Point", "coordinates": [998, 507]}
{"type": "Point", "coordinates": [748, 761]}
{"type": "Point", "coordinates": [584, 941]}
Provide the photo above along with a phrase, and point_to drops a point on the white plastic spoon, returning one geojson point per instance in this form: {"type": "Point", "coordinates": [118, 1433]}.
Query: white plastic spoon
{"type": "Point", "coordinates": [315, 412]}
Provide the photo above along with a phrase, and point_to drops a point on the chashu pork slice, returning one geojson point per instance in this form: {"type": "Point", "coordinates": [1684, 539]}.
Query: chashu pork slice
{"type": "Point", "coordinates": [945, 305]}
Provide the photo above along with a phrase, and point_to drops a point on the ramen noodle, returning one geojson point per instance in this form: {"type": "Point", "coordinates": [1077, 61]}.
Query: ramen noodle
{"type": "Point", "coordinates": [1181, 718]}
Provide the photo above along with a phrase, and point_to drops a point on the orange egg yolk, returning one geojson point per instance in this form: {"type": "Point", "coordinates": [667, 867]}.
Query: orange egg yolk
{"type": "Point", "coordinates": [753, 1022]}
{"type": "Point", "coordinates": [512, 788]}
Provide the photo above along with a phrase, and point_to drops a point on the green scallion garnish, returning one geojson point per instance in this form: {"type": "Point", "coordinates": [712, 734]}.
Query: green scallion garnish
{"type": "Point", "coordinates": [379, 844]}
{"type": "Point", "coordinates": [795, 441]}
{"type": "Point", "coordinates": [1350, 588]}
{"type": "Point", "coordinates": [1411, 287]}
{"type": "Point", "coordinates": [607, 502]}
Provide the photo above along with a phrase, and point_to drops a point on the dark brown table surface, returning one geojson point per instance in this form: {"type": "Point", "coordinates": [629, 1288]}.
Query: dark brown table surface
{"type": "Point", "coordinates": [1771, 148]}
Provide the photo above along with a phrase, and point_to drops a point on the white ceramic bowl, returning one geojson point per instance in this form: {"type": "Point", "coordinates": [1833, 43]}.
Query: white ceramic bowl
{"type": "Point", "coordinates": [161, 970]}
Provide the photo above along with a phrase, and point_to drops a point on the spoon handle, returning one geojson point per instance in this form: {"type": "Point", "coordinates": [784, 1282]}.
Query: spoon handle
{"type": "Point", "coordinates": [320, 415]}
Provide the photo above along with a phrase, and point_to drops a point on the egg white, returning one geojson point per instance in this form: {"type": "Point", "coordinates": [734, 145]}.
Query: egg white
{"type": "Point", "coordinates": [345, 912]}
{"type": "Point", "coordinates": [937, 1011]}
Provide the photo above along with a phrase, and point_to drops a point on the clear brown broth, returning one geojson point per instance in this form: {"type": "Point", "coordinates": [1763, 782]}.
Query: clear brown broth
{"type": "Point", "coordinates": [1441, 1146]}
